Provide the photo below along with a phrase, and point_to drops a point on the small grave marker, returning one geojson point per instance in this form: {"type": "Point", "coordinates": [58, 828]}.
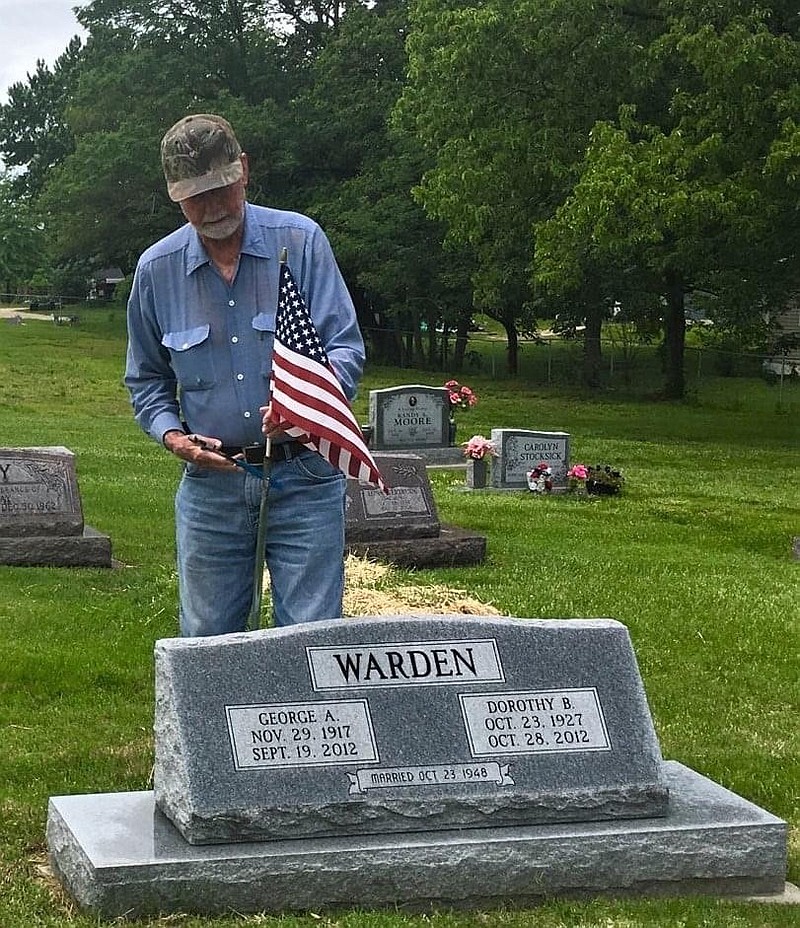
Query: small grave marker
{"type": "Point", "coordinates": [407, 511]}
{"type": "Point", "coordinates": [403, 527]}
{"type": "Point", "coordinates": [41, 517]}
{"type": "Point", "coordinates": [520, 450]}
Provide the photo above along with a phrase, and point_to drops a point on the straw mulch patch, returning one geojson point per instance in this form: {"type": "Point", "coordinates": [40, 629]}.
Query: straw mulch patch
{"type": "Point", "coordinates": [372, 588]}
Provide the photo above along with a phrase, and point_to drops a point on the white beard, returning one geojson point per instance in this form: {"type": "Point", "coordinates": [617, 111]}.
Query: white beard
{"type": "Point", "coordinates": [221, 229]}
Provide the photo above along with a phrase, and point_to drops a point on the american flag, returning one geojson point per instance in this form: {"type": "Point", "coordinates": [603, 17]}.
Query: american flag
{"type": "Point", "coordinates": [307, 399]}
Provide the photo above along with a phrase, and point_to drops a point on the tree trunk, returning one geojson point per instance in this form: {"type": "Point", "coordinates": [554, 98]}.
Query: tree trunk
{"type": "Point", "coordinates": [405, 339]}
{"type": "Point", "coordinates": [592, 348]}
{"type": "Point", "coordinates": [674, 338]}
{"type": "Point", "coordinates": [462, 337]}
{"type": "Point", "coordinates": [433, 352]}
{"type": "Point", "coordinates": [512, 343]}
{"type": "Point", "coordinates": [418, 357]}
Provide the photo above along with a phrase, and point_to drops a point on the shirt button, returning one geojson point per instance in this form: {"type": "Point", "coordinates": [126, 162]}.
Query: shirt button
{"type": "Point", "coordinates": [240, 376]}
{"type": "Point", "coordinates": [235, 339]}
{"type": "Point", "coordinates": [247, 415]}
{"type": "Point", "coordinates": [231, 302]}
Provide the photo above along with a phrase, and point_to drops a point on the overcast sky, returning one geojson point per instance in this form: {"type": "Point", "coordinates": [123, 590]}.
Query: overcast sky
{"type": "Point", "coordinates": [33, 29]}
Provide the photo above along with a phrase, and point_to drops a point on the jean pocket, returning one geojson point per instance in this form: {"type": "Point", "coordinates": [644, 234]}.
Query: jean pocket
{"type": "Point", "coordinates": [190, 351]}
{"type": "Point", "coordinates": [315, 467]}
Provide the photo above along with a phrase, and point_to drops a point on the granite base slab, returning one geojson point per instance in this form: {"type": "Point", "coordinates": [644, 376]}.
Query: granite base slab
{"type": "Point", "coordinates": [433, 456]}
{"type": "Point", "coordinates": [118, 856]}
{"type": "Point", "coordinates": [89, 549]}
{"type": "Point", "coordinates": [452, 547]}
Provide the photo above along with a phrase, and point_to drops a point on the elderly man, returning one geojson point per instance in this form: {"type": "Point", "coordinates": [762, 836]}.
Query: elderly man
{"type": "Point", "coordinates": [201, 320]}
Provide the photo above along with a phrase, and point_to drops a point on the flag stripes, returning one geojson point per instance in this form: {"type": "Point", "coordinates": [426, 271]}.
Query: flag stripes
{"type": "Point", "coordinates": [306, 396]}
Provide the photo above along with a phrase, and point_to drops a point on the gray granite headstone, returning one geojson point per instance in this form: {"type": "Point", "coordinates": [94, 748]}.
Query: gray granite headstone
{"type": "Point", "coordinates": [407, 511]}
{"type": "Point", "coordinates": [409, 417]}
{"type": "Point", "coordinates": [347, 727]}
{"type": "Point", "coordinates": [403, 527]}
{"type": "Point", "coordinates": [39, 492]}
{"type": "Point", "coordinates": [520, 450]}
{"type": "Point", "coordinates": [41, 517]}
{"type": "Point", "coordinates": [355, 727]}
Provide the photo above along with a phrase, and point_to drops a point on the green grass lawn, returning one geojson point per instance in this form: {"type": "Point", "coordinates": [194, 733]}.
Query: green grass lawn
{"type": "Point", "coordinates": [695, 558]}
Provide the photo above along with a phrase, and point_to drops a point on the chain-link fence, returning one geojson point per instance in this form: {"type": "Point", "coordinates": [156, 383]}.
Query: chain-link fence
{"type": "Point", "coordinates": [625, 362]}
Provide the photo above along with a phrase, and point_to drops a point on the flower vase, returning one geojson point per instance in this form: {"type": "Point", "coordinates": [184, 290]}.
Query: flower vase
{"type": "Point", "coordinates": [477, 473]}
{"type": "Point", "coordinates": [451, 431]}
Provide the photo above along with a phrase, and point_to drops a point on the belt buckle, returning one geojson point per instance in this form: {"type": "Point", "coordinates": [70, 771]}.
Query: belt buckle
{"type": "Point", "coordinates": [253, 454]}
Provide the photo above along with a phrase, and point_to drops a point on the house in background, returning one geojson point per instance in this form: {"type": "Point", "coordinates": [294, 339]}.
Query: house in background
{"type": "Point", "coordinates": [104, 282]}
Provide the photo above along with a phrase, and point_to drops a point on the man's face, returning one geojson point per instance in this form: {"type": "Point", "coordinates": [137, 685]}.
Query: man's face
{"type": "Point", "coordinates": [216, 214]}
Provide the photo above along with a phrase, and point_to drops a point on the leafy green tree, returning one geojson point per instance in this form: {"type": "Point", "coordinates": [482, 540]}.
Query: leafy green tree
{"type": "Point", "coordinates": [503, 96]}
{"type": "Point", "coordinates": [106, 200]}
{"type": "Point", "coordinates": [414, 291]}
{"type": "Point", "coordinates": [34, 134]}
{"type": "Point", "coordinates": [693, 193]}
{"type": "Point", "coordinates": [215, 44]}
{"type": "Point", "coordinates": [21, 240]}
{"type": "Point", "coordinates": [355, 173]}
{"type": "Point", "coordinates": [146, 63]}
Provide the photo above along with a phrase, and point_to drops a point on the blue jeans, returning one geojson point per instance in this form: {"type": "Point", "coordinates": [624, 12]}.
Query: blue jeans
{"type": "Point", "coordinates": [216, 520]}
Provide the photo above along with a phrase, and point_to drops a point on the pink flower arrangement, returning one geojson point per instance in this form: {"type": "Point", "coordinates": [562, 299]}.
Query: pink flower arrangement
{"type": "Point", "coordinates": [578, 472]}
{"type": "Point", "coordinates": [461, 397]}
{"type": "Point", "coordinates": [478, 447]}
{"type": "Point", "coordinates": [595, 479]}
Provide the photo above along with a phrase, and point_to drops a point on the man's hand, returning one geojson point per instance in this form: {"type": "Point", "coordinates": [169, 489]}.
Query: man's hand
{"type": "Point", "coordinates": [197, 449]}
{"type": "Point", "coordinates": [270, 428]}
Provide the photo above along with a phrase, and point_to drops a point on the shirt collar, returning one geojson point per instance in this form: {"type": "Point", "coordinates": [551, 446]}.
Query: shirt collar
{"type": "Point", "coordinates": [252, 243]}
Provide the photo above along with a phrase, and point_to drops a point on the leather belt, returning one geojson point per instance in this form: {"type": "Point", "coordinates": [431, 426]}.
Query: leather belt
{"type": "Point", "coordinates": [254, 454]}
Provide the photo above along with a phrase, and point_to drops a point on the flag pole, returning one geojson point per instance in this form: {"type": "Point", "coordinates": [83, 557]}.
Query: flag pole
{"type": "Point", "coordinates": [254, 618]}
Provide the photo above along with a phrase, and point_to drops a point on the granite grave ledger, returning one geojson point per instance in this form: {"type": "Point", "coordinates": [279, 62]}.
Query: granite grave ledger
{"type": "Point", "coordinates": [489, 736]}
{"type": "Point", "coordinates": [412, 762]}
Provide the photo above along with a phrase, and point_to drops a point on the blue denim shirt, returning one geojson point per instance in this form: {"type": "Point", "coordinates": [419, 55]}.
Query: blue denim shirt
{"type": "Point", "coordinates": [200, 350]}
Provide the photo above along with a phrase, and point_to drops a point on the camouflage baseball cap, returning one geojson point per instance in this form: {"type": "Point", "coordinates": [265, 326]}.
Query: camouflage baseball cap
{"type": "Point", "coordinates": [200, 153]}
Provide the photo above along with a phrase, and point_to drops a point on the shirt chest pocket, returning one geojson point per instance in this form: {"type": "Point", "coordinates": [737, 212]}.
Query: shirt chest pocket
{"type": "Point", "coordinates": [264, 328]}
{"type": "Point", "coordinates": [190, 351]}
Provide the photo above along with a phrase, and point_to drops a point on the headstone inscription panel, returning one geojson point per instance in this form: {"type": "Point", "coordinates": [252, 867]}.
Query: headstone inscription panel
{"type": "Point", "coordinates": [407, 511]}
{"type": "Point", "coordinates": [378, 725]}
{"type": "Point", "coordinates": [39, 493]}
{"type": "Point", "coordinates": [412, 416]}
{"type": "Point", "coordinates": [520, 450]}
